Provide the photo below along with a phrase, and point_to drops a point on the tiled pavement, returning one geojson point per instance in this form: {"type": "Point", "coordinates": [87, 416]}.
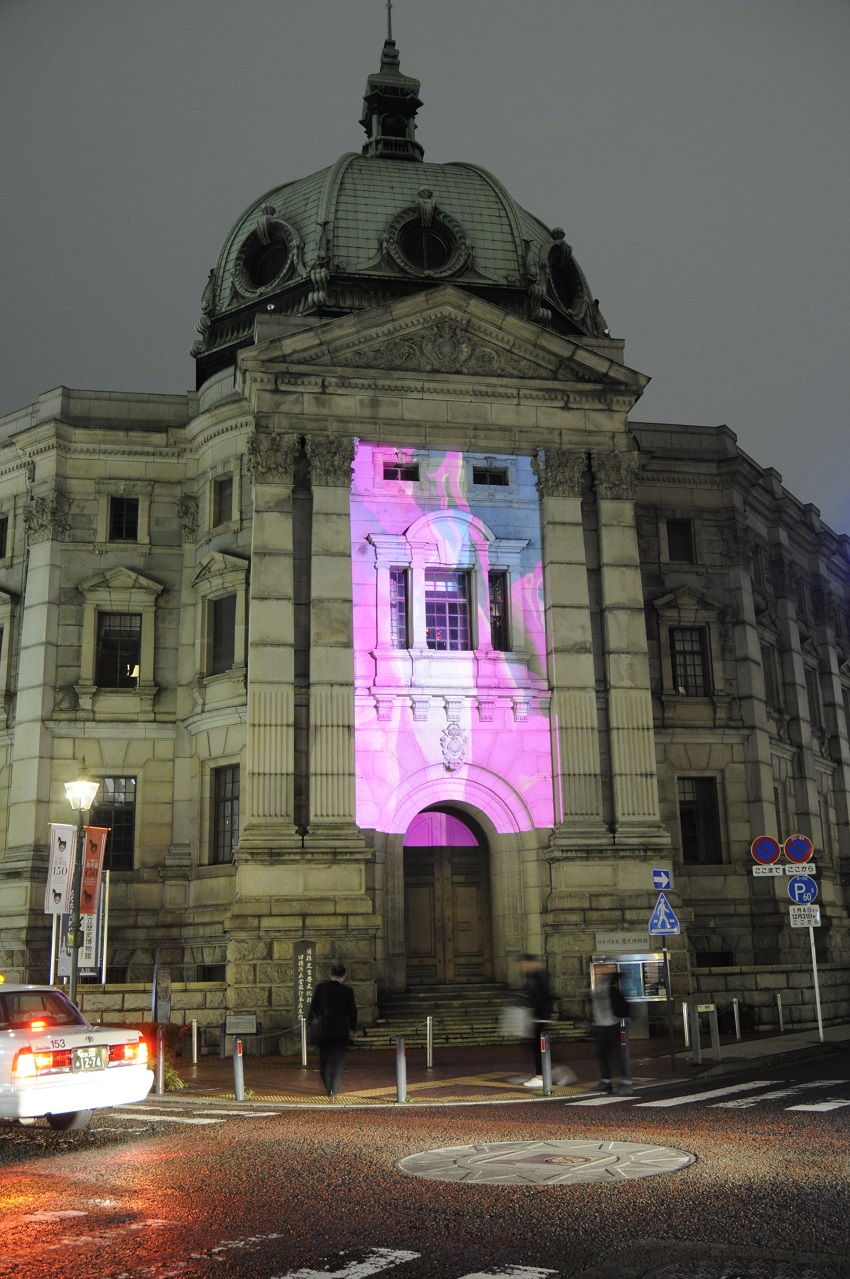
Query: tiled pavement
{"type": "Point", "coordinates": [491, 1074]}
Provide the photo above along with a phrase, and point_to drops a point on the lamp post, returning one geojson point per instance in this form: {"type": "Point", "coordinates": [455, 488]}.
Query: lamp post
{"type": "Point", "coordinates": [81, 793]}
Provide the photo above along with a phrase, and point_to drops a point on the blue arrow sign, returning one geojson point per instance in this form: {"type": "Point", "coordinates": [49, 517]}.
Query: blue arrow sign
{"type": "Point", "coordinates": [802, 890]}
{"type": "Point", "coordinates": [661, 878]}
{"type": "Point", "coordinates": [662, 920]}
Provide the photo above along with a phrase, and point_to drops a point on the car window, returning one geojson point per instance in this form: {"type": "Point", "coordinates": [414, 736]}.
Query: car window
{"type": "Point", "coordinates": [19, 1009]}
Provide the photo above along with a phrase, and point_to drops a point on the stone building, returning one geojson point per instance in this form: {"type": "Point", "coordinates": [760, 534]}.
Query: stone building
{"type": "Point", "coordinates": [399, 636]}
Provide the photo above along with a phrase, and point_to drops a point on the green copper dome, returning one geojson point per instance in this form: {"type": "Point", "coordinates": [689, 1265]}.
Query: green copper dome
{"type": "Point", "coordinates": [377, 226]}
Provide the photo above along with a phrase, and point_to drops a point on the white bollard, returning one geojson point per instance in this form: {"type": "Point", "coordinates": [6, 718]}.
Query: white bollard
{"type": "Point", "coordinates": [400, 1070]}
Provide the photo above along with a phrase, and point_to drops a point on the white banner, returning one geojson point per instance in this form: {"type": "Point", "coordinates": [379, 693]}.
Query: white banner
{"type": "Point", "coordinates": [63, 842]}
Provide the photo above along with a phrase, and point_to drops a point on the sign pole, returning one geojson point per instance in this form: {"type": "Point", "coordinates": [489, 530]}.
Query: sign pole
{"type": "Point", "coordinates": [669, 1003]}
{"type": "Point", "coordinates": [817, 987]}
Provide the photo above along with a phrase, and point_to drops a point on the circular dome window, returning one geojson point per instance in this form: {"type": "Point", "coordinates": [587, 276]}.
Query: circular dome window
{"type": "Point", "coordinates": [265, 258]}
{"type": "Point", "coordinates": [427, 242]}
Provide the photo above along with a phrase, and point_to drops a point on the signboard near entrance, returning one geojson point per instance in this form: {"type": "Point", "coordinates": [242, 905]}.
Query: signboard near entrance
{"type": "Point", "coordinates": [304, 976]}
{"type": "Point", "coordinates": [805, 917]}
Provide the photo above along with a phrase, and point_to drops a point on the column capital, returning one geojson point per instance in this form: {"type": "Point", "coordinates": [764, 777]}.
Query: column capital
{"type": "Point", "coordinates": [270, 459]}
{"type": "Point", "coordinates": [616, 474]}
{"type": "Point", "coordinates": [559, 472]}
{"type": "Point", "coordinates": [331, 459]}
{"type": "Point", "coordinates": [46, 517]}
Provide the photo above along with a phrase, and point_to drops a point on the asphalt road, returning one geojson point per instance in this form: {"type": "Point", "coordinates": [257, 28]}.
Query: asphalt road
{"type": "Point", "coordinates": [311, 1194]}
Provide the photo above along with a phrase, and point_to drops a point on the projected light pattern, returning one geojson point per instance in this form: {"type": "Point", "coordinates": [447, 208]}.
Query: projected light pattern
{"type": "Point", "coordinates": [440, 567]}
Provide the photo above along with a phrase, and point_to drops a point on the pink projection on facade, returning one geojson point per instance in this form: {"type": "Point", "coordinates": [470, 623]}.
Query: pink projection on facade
{"type": "Point", "coordinates": [452, 701]}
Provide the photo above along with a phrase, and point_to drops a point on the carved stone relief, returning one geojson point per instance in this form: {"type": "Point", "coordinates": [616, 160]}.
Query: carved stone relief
{"type": "Point", "coordinates": [559, 472]}
{"type": "Point", "coordinates": [453, 745]}
{"type": "Point", "coordinates": [443, 347]}
{"type": "Point", "coordinates": [46, 518]}
{"type": "Point", "coordinates": [616, 474]}
{"type": "Point", "coordinates": [330, 461]}
{"type": "Point", "coordinates": [187, 513]}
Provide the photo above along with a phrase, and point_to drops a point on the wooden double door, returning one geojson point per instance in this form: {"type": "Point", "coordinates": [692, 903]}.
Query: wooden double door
{"type": "Point", "coordinates": [447, 915]}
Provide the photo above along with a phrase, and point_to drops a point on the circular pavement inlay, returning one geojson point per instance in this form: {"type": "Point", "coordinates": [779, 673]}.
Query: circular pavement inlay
{"type": "Point", "coordinates": [545, 1163]}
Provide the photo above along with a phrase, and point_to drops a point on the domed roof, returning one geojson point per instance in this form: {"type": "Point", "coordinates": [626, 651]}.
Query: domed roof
{"type": "Point", "coordinates": [377, 226]}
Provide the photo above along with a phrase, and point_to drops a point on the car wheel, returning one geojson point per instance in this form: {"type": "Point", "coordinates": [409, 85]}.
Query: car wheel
{"type": "Point", "coordinates": [70, 1121]}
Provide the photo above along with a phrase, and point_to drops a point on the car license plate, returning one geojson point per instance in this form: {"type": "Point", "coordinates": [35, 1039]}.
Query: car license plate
{"type": "Point", "coordinates": [88, 1059]}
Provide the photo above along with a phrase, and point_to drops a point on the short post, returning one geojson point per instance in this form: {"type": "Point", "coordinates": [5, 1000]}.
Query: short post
{"type": "Point", "coordinates": [159, 1086]}
{"type": "Point", "coordinates": [194, 1041]}
{"type": "Point", "coordinates": [303, 1041]}
{"type": "Point", "coordinates": [400, 1070]}
{"type": "Point", "coordinates": [779, 1012]}
{"type": "Point", "coordinates": [816, 983]}
{"type": "Point", "coordinates": [429, 1042]}
{"type": "Point", "coordinates": [546, 1063]}
{"type": "Point", "coordinates": [625, 1051]}
{"type": "Point", "coordinates": [715, 1033]}
{"type": "Point", "coordinates": [736, 1013]}
{"type": "Point", "coordinates": [238, 1076]}
{"type": "Point", "coordinates": [696, 1047]}
{"type": "Point", "coordinates": [686, 1025]}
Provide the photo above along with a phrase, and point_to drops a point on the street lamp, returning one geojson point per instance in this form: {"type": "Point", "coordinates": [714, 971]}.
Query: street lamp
{"type": "Point", "coordinates": [81, 793]}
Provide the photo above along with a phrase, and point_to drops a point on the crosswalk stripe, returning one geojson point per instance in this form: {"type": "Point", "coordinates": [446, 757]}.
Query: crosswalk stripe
{"type": "Point", "coordinates": [707, 1096]}
{"type": "Point", "coordinates": [743, 1103]}
{"type": "Point", "coordinates": [147, 1116]}
{"type": "Point", "coordinates": [604, 1099]}
{"type": "Point", "coordinates": [821, 1105]}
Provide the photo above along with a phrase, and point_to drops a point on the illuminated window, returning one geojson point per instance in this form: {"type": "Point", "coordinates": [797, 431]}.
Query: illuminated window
{"type": "Point", "coordinates": [398, 608]}
{"type": "Point", "coordinates": [123, 519]}
{"type": "Point", "coordinates": [699, 819]}
{"type": "Point", "coordinates": [119, 645]}
{"type": "Point", "coordinates": [115, 808]}
{"type": "Point", "coordinates": [447, 610]}
{"type": "Point", "coordinates": [498, 589]}
{"type": "Point", "coordinates": [689, 654]}
{"type": "Point", "coordinates": [225, 814]}
{"type": "Point", "coordinates": [222, 495]}
{"type": "Point", "coordinates": [402, 471]}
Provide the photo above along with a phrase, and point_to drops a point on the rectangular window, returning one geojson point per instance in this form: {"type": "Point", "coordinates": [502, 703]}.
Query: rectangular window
{"type": "Point", "coordinates": [119, 643]}
{"type": "Point", "coordinates": [801, 598]}
{"type": "Point", "coordinates": [123, 519]}
{"type": "Point", "coordinates": [777, 808]}
{"type": "Point", "coordinates": [398, 608]}
{"type": "Point", "coordinates": [4, 536]}
{"type": "Point", "coordinates": [222, 500]}
{"type": "Point", "coordinates": [813, 691]}
{"type": "Point", "coordinates": [689, 653]}
{"type": "Point", "coordinates": [699, 819]}
{"type": "Point", "coordinates": [223, 638]}
{"type": "Point", "coordinates": [845, 697]}
{"type": "Point", "coordinates": [493, 476]}
{"type": "Point", "coordinates": [680, 541]}
{"type": "Point", "coordinates": [115, 808]}
{"type": "Point", "coordinates": [772, 677]}
{"type": "Point", "coordinates": [447, 610]}
{"type": "Point", "coordinates": [225, 813]}
{"type": "Point", "coordinates": [761, 569]}
{"type": "Point", "coordinates": [498, 585]}
{"type": "Point", "coordinates": [401, 471]}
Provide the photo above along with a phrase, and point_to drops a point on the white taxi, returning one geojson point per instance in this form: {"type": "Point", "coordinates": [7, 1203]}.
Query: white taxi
{"type": "Point", "coordinates": [54, 1064]}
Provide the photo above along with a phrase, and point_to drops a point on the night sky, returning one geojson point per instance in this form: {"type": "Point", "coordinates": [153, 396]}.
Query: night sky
{"type": "Point", "coordinates": [695, 151]}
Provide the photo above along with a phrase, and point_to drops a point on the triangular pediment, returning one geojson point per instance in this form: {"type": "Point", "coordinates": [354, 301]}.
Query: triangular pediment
{"type": "Point", "coordinates": [119, 581]}
{"type": "Point", "coordinates": [687, 605]}
{"type": "Point", "coordinates": [218, 570]}
{"type": "Point", "coordinates": [768, 624]}
{"type": "Point", "coordinates": [445, 331]}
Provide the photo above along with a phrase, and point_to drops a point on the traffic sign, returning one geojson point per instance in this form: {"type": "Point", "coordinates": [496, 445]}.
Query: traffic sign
{"type": "Point", "coordinates": [661, 878]}
{"type": "Point", "coordinates": [805, 916]}
{"type": "Point", "coordinates": [802, 890]}
{"type": "Point", "coordinates": [770, 870]}
{"type": "Point", "coordinates": [811, 869]}
{"type": "Point", "coordinates": [798, 848]}
{"type": "Point", "coordinates": [765, 849]}
{"type": "Point", "coordinates": [662, 920]}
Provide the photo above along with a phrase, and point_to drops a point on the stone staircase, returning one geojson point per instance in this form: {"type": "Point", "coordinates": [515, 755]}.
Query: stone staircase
{"type": "Point", "coordinates": [463, 1014]}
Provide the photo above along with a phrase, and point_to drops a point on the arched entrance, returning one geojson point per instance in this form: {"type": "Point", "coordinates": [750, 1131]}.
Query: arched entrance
{"type": "Point", "coordinates": [446, 900]}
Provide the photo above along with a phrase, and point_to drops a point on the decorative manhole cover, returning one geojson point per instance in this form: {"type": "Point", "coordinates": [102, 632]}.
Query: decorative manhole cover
{"type": "Point", "coordinates": [545, 1163]}
{"type": "Point", "coordinates": [742, 1268]}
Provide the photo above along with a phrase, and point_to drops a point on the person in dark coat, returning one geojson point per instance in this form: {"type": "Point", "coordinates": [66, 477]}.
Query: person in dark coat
{"type": "Point", "coordinates": [610, 1007]}
{"type": "Point", "coordinates": [540, 1002]}
{"type": "Point", "coordinates": [334, 1006]}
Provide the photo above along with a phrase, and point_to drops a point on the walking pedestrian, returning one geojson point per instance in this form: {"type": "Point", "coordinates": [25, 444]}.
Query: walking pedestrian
{"type": "Point", "coordinates": [540, 1002]}
{"type": "Point", "coordinates": [333, 1014]}
{"type": "Point", "coordinates": [610, 1007]}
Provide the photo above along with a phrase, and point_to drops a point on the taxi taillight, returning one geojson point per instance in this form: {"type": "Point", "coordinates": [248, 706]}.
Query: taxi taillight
{"type": "Point", "coordinates": [28, 1063]}
{"type": "Point", "coordinates": [128, 1054]}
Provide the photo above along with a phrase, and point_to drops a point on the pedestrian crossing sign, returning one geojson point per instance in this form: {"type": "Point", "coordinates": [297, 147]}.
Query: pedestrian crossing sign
{"type": "Point", "coordinates": [662, 921]}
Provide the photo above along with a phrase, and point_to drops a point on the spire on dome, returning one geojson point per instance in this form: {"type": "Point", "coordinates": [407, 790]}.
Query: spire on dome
{"type": "Point", "coordinates": [390, 105]}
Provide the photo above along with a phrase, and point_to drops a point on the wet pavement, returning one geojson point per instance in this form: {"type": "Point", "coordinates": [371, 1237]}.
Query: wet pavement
{"type": "Point", "coordinates": [490, 1074]}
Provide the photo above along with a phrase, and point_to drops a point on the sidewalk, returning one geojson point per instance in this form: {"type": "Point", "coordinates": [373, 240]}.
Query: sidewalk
{"type": "Point", "coordinates": [491, 1074]}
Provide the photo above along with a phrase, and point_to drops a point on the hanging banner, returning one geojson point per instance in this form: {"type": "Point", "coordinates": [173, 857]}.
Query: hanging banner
{"type": "Point", "coordinates": [93, 850]}
{"type": "Point", "coordinates": [63, 842]}
{"type": "Point", "coordinates": [88, 955]}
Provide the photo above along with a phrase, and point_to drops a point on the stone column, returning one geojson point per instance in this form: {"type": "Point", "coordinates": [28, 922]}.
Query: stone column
{"type": "Point", "coordinates": [634, 779]}
{"type": "Point", "coordinates": [331, 788]}
{"type": "Point", "coordinates": [574, 726]}
{"type": "Point", "coordinates": [267, 799]}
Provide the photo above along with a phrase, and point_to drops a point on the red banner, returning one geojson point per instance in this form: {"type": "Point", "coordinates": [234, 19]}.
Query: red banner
{"type": "Point", "coordinates": [94, 847]}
